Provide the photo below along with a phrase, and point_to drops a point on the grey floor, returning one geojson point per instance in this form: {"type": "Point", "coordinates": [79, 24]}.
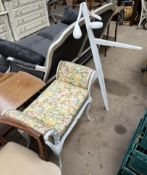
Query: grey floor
{"type": "Point", "coordinates": [97, 147]}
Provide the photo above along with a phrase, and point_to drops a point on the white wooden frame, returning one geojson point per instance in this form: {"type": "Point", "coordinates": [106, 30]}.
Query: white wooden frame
{"type": "Point", "coordinates": [59, 142]}
{"type": "Point", "coordinates": [94, 42]}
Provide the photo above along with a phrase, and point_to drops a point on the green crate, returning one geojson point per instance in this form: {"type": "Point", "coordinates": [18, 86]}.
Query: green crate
{"type": "Point", "coordinates": [133, 160]}
{"type": "Point", "coordinates": [137, 163]}
{"type": "Point", "coordinates": [126, 171]}
{"type": "Point", "coordinates": [133, 142]}
{"type": "Point", "coordinates": [139, 139]}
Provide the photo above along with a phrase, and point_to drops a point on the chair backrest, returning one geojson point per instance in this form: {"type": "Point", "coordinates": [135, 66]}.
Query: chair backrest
{"type": "Point", "coordinates": [69, 49]}
{"type": "Point", "coordinates": [26, 16]}
{"type": "Point", "coordinates": [74, 74]}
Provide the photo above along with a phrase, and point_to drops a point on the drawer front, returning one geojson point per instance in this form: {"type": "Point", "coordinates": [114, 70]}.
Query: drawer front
{"type": "Point", "coordinates": [21, 3]}
{"type": "Point", "coordinates": [28, 29]}
{"type": "Point", "coordinates": [28, 10]}
{"type": "Point", "coordinates": [27, 19]}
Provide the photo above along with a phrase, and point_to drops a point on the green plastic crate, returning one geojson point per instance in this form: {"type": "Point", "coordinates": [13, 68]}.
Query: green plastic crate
{"type": "Point", "coordinates": [136, 155]}
{"type": "Point", "coordinates": [133, 142]}
{"type": "Point", "coordinates": [138, 163]}
{"type": "Point", "coordinates": [126, 171]}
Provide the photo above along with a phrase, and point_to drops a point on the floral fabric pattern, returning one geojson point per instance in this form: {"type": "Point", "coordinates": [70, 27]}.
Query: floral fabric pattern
{"type": "Point", "coordinates": [57, 106]}
{"type": "Point", "coordinates": [30, 121]}
{"type": "Point", "coordinates": [59, 103]}
{"type": "Point", "coordinates": [75, 74]}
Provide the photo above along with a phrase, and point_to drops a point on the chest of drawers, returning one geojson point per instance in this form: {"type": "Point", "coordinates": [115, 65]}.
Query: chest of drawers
{"type": "Point", "coordinates": [26, 16]}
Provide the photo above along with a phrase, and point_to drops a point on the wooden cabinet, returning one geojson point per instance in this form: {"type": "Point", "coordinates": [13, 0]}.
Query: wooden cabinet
{"type": "Point", "coordinates": [26, 16]}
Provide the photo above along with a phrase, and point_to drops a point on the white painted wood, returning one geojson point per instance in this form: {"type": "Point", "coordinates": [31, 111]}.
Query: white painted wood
{"type": "Point", "coordinates": [94, 42]}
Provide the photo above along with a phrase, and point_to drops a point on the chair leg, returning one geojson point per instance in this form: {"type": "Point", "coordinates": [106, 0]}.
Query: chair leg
{"type": "Point", "coordinates": [26, 137]}
{"type": "Point", "coordinates": [87, 111]}
{"type": "Point", "coordinates": [60, 161]}
{"type": "Point", "coordinates": [54, 19]}
{"type": "Point", "coordinates": [58, 155]}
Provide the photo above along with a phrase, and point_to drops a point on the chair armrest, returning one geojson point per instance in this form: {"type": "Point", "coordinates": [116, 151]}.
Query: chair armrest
{"type": "Point", "coordinates": [26, 65]}
{"type": "Point", "coordinates": [10, 49]}
{"type": "Point", "coordinates": [35, 134]}
{"type": "Point", "coordinates": [21, 63]}
{"type": "Point", "coordinates": [54, 134]}
{"type": "Point", "coordinates": [74, 74]}
{"type": "Point", "coordinates": [32, 122]}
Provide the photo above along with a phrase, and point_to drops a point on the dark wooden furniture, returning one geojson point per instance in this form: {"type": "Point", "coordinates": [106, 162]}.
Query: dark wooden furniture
{"type": "Point", "coordinates": [17, 88]}
{"type": "Point", "coordinates": [115, 14]}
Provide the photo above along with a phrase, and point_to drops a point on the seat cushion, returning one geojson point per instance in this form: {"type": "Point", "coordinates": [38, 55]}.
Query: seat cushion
{"type": "Point", "coordinates": [54, 109]}
{"type": "Point", "coordinates": [58, 105]}
{"type": "Point", "coordinates": [16, 159]}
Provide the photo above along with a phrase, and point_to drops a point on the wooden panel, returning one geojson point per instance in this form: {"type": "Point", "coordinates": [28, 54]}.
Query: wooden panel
{"type": "Point", "coordinates": [31, 9]}
{"type": "Point", "coordinates": [27, 16]}
{"type": "Point", "coordinates": [17, 88]}
{"type": "Point", "coordinates": [5, 31]}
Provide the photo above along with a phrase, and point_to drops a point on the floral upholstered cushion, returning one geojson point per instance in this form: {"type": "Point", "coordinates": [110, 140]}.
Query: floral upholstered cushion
{"type": "Point", "coordinates": [30, 121]}
{"type": "Point", "coordinates": [75, 74]}
{"type": "Point", "coordinates": [57, 106]}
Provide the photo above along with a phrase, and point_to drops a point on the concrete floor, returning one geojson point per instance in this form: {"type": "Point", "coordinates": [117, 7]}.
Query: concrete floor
{"type": "Point", "coordinates": [97, 147]}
